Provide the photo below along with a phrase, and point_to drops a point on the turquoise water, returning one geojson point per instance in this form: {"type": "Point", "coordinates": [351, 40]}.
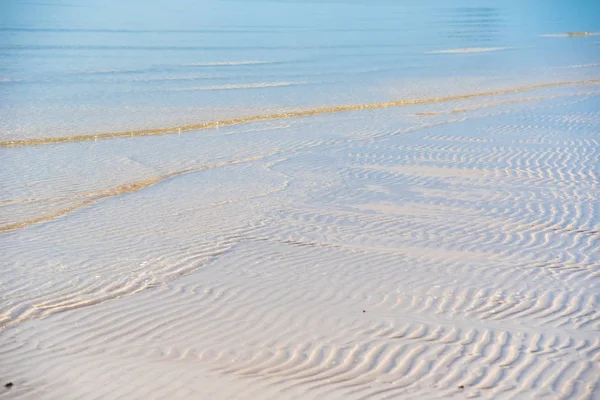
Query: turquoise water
{"type": "Point", "coordinates": [77, 67]}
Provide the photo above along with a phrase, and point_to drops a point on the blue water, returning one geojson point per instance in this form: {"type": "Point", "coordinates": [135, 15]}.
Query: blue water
{"type": "Point", "coordinates": [86, 66]}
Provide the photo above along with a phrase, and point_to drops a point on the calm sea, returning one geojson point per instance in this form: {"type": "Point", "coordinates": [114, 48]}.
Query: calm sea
{"type": "Point", "coordinates": [85, 66]}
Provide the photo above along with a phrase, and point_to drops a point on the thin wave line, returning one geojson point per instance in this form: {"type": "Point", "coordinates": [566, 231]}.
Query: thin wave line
{"type": "Point", "coordinates": [570, 34]}
{"type": "Point", "coordinates": [288, 114]}
{"type": "Point", "coordinates": [123, 189]}
{"type": "Point", "coordinates": [232, 86]}
{"type": "Point", "coordinates": [468, 50]}
{"type": "Point", "coordinates": [226, 63]}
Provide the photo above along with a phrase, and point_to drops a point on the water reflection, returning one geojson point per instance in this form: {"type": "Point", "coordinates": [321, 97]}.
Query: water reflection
{"type": "Point", "coordinates": [472, 26]}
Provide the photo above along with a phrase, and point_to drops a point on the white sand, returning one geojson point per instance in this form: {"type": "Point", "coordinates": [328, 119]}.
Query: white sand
{"type": "Point", "coordinates": [370, 254]}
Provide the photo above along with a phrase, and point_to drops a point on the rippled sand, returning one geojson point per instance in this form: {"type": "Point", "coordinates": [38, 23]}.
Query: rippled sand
{"type": "Point", "coordinates": [284, 200]}
{"type": "Point", "coordinates": [442, 249]}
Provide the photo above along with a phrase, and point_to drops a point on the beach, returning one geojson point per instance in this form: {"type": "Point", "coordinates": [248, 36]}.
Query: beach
{"type": "Point", "coordinates": [315, 207]}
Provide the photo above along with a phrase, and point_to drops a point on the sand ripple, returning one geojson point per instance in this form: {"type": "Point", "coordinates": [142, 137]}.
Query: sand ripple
{"type": "Point", "coordinates": [396, 253]}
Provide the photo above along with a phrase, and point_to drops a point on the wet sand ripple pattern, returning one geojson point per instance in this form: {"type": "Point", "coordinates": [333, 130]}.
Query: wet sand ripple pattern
{"type": "Point", "coordinates": [369, 255]}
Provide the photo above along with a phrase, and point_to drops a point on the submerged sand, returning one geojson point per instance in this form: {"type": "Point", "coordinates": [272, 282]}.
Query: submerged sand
{"type": "Point", "coordinates": [414, 252]}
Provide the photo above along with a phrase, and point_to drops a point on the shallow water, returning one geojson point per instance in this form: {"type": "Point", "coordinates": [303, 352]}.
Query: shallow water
{"type": "Point", "coordinates": [293, 199]}
{"type": "Point", "coordinates": [80, 67]}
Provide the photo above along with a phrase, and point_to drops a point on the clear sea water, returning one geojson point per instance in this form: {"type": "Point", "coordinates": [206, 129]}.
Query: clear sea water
{"type": "Point", "coordinates": [239, 258]}
{"type": "Point", "coordinates": [83, 66]}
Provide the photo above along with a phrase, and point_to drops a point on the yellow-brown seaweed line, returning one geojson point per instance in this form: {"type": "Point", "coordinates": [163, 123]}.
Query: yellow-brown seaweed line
{"type": "Point", "coordinates": [499, 103]}
{"type": "Point", "coordinates": [128, 188]}
{"type": "Point", "coordinates": [123, 189]}
{"type": "Point", "coordinates": [282, 115]}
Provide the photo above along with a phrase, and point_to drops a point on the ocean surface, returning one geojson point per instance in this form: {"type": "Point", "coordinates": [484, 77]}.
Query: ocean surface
{"type": "Point", "coordinates": [299, 199]}
{"type": "Point", "coordinates": [81, 67]}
